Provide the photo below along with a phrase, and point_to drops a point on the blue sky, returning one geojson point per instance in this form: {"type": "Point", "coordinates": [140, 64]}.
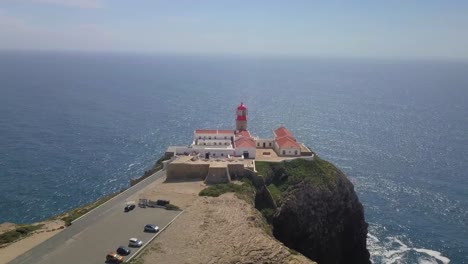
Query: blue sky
{"type": "Point", "coordinates": [393, 28]}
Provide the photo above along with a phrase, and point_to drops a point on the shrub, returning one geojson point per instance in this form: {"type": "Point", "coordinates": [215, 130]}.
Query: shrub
{"type": "Point", "coordinates": [172, 207]}
{"type": "Point", "coordinates": [18, 233]}
{"type": "Point", "coordinates": [268, 214]}
{"type": "Point", "coordinates": [275, 193]}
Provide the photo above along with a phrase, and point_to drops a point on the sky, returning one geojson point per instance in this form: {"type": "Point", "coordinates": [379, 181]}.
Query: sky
{"type": "Point", "coordinates": [366, 28]}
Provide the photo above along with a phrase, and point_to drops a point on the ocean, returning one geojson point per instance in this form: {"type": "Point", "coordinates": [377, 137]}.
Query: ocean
{"type": "Point", "coordinates": [77, 126]}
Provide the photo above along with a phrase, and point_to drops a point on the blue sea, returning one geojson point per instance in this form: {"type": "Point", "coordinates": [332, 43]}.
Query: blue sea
{"type": "Point", "coordinates": [77, 126]}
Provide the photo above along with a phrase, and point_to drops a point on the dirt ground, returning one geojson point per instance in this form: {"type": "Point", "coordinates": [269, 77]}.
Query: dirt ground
{"type": "Point", "coordinates": [224, 229]}
{"type": "Point", "coordinates": [214, 230]}
{"type": "Point", "coordinates": [10, 252]}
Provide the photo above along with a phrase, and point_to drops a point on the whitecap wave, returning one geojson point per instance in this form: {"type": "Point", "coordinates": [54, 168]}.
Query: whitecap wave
{"type": "Point", "coordinates": [392, 250]}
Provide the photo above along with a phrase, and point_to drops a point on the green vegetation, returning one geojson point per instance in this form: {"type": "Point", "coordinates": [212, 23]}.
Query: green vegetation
{"type": "Point", "coordinates": [19, 232]}
{"type": "Point", "coordinates": [263, 167]}
{"type": "Point", "coordinates": [156, 167]}
{"type": "Point", "coordinates": [172, 207]}
{"type": "Point", "coordinates": [281, 176]}
{"type": "Point", "coordinates": [70, 216]}
{"type": "Point", "coordinates": [275, 193]}
{"type": "Point", "coordinates": [243, 191]}
{"type": "Point", "coordinates": [268, 214]}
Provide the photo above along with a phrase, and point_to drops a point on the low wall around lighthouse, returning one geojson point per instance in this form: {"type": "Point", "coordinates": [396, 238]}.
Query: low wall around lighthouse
{"type": "Point", "coordinates": [186, 172]}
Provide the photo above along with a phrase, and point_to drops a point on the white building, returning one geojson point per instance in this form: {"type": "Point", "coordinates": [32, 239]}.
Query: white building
{"type": "Point", "coordinates": [216, 143]}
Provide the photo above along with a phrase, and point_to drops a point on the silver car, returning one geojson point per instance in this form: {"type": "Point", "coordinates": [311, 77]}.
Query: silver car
{"type": "Point", "coordinates": [135, 242]}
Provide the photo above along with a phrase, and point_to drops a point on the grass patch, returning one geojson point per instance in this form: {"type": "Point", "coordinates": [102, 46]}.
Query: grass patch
{"type": "Point", "coordinates": [172, 207]}
{"type": "Point", "coordinates": [279, 177]}
{"type": "Point", "coordinates": [17, 233]}
{"type": "Point", "coordinates": [275, 193]}
{"type": "Point", "coordinates": [263, 168]}
{"type": "Point", "coordinates": [243, 191]}
{"type": "Point", "coordinates": [156, 167]}
{"type": "Point", "coordinates": [218, 189]}
{"type": "Point", "coordinates": [268, 214]}
{"type": "Point", "coordinates": [70, 216]}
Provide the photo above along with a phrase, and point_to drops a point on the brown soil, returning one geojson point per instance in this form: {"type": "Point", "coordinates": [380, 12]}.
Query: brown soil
{"type": "Point", "coordinates": [210, 230]}
{"type": "Point", "coordinates": [10, 252]}
{"type": "Point", "coordinates": [215, 230]}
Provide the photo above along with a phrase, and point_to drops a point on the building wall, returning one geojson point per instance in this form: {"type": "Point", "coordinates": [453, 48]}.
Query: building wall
{"type": "Point", "coordinates": [213, 136]}
{"type": "Point", "coordinates": [240, 151]}
{"type": "Point", "coordinates": [180, 171]}
{"type": "Point", "coordinates": [217, 175]}
{"type": "Point", "coordinates": [213, 142]}
{"type": "Point", "coordinates": [201, 150]}
{"type": "Point", "coordinates": [269, 142]}
{"type": "Point", "coordinates": [289, 152]}
{"type": "Point", "coordinates": [236, 170]}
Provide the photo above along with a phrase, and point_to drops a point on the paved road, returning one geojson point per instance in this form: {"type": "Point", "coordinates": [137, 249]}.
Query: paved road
{"type": "Point", "coordinates": [91, 237]}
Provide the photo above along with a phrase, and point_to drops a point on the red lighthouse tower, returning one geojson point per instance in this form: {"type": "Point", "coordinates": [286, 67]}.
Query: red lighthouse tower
{"type": "Point", "coordinates": [241, 120]}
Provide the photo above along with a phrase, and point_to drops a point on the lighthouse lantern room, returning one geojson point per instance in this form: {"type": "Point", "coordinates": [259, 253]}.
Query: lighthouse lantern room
{"type": "Point", "coordinates": [241, 119]}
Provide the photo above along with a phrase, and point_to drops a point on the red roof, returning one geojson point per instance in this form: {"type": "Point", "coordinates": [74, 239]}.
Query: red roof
{"type": "Point", "coordinates": [283, 132]}
{"type": "Point", "coordinates": [213, 131]}
{"type": "Point", "coordinates": [243, 133]}
{"type": "Point", "coordinates": [244, 142]}
{"type": "Point", "coordinates": [287, 142]}
{"type": "Point", "coordinates": [241, 107]}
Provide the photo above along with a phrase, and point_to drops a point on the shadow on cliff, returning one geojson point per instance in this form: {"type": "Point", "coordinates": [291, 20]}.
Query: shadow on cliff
{"type": "Point", "coordinates": [314, 210]}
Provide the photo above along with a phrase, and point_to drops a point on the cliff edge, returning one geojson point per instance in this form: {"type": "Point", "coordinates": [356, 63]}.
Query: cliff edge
{"type": "Point", "coordinates": [318, 212]}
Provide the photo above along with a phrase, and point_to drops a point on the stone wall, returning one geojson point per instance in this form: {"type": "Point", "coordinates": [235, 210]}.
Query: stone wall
{"type": "Point", "coordinates": [184, 172]}
{"type": "Point", "coordinates": [217, 175]}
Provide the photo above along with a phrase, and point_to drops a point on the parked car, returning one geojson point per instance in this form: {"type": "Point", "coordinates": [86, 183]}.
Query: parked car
{"type": "Point", "coordinates": [151, 228]}
{"type": "Point", "coordinates": [135, 242]}
{"type": "Point", "coordinates": [124, 251]}
{"type": "Point", "coordinates": [129, 207]}
{"type": "Point", "coordinates": [113, 257]}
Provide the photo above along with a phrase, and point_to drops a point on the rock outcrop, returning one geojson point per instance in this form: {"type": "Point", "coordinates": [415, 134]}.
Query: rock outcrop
{"type": "Point", "coordinates": [320, 214]}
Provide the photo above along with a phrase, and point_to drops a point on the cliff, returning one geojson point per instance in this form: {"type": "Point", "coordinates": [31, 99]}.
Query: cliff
{"type": "Point", "coordinates": [318, 214]}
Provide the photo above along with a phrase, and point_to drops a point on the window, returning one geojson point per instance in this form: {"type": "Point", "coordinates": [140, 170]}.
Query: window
{"type": "Point", "coordinates": [222, 154]}
{"type": "Point", "coordinates": [295, 152]}
{"type": "Point", "coordinates": [215, 143]}
{"type": "Point", "coordinates": [204, 143]}
{"type": "Point", "coordinates": [258, 144]}
{"type": "Point", "coordinates": [225, 137]}
{"type": "Point", "coordinates": [270, 144]}
{"type": "Point", "coordinates": [199, 137]}
{"type": "Point", "coordinates": [209, 137]}
{"type": "Point", "coordinates": [215, 137]}
{"type": "Point", "coordinates": [284, 152]}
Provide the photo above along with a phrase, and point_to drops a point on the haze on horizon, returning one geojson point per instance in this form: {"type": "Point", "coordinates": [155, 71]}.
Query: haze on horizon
{"type": "Point", "coordinates": [395, 29]}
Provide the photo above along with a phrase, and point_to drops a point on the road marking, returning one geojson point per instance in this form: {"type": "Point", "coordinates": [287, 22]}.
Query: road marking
{"type": "Point", "coordinates": [149, 241]}
{"type": "Point", "coordinates": [117, 195]}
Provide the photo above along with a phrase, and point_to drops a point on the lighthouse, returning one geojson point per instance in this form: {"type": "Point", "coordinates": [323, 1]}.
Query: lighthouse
{"type": "Point", "coordinates": [241, 119]}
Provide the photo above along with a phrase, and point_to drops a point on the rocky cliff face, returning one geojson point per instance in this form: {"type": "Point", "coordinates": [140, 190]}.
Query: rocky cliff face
{"type": "Point", "coordinates": [325, 224]}
{"type": "Point", "coordinates": [320, 214]}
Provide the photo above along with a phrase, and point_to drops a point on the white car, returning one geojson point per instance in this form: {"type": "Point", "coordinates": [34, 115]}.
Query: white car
{"type": "Point", "coordinates": [134, 242]}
